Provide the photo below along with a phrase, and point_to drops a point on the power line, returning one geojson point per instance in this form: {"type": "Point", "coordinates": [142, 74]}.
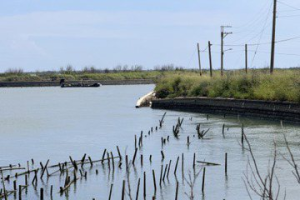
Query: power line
{"type": "Point", "coordinates": [289, 39]}
{"type": "Point", "coordinates": [287, 54]}
{"type": "Point", "coordinates": [263, 43]}
{"type": "Point", "coordinates": [261, 18]}
{"type": "Point", "coordinates": [282, 11]}
{"type": "Point", "coordinates": [290, 6]}
{"type": "Point", "coordinates": [284, 16]}
{"type": "Point", "coordinates": [259, 15]}
{"type": "Point", "coordinates": [261, 34]}
{"type": "Point", "coordinates": [192, 56]}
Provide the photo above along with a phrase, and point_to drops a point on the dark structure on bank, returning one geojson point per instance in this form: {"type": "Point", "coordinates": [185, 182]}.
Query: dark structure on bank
{"type": "Point", "coordinates": [270, 110]}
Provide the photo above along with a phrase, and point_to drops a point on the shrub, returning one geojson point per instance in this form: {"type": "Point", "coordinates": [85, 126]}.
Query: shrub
{"type": "Point", "coordinates": [283, 85]}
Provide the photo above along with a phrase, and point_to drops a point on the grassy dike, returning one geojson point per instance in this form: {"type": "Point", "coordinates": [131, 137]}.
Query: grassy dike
{"type": "Point", "coordinates": [283, 85]}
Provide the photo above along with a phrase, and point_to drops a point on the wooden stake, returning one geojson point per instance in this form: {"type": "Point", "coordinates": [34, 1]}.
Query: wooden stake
{"type": "Point", "coordinates": [110, 192]}
{"type": "Point", "coordinates": [126, 161]}
{"type": "Point", "coordinates": [91, 162]}
{"type": "Point", "coordinates": [203, 180]}
{"type": "Point", "coordinates": [112, 160]}
{"type": "Point", "coordinates": [161, 174]}
{"type": "Point", "coordinates": [182, 164]}
{"type": "Point", "coordinates": [176, 165]}
{"type": "Point", "coordinates": [242, 136]}
{"type": "Point", "coordinates": [20, 192]}
{"type": "Point", "coordinates": [225, 164]}
{"type": "Point", "coordinates": [169, 168]}
{"type": "Point", "coordinates": [15, 185]}
{"type": "Point", "coordinates": [176, 194]}
{"type": "Point", "coordinates": [144, 185]}
{"type": "Point", "coordinates": [165, 172]}
{"type": "Point", "coordinates": [103, 155]}
{"type": "Point", "coordinates": [42, 194]}
{"type": "Point", "coordinates": [162, 155]}
{"type": "Point", "coordinates": [154, 181]}
{"type": "Point", "coordinates": [134, 156]}
{"type": "Point", "coordinates": [51, 191]}
{"type": "Point", "coordinates": [194, 161]}
{"type": "Point", "coordinates": [138, 189]}
{"type": "Point", "coordinates": [26, 180]}
{"type": "Point", "coordinates": [123, 190]}
{"type": "Point", "coordinates": [108, 160]}
{"type": "Point", "coordinates": [120, 156]}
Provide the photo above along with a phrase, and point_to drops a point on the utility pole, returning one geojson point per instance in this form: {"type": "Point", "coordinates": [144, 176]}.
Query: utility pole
{"type": "Point", "coordinates": [273, 37]}
{"type": "Point", "coordinates": [198, 48]}
{"type": "Point", "coordinates": [223, 35]}
{"type": "Point", "coordinates": [210, 61]}
{"type": "Point", "coordinates": [246, 58]}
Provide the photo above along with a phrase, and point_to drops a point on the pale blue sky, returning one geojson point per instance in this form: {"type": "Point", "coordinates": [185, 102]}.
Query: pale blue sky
{"type": "Point", "coordinates": [48, 34]}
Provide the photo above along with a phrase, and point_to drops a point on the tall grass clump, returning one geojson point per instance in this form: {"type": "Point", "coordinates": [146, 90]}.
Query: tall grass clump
{"type": "Point", "coordinates": [283, 85]}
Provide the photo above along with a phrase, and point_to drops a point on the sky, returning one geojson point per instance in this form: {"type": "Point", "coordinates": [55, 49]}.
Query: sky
{"type": "Point", "coordinates": [40, 35]}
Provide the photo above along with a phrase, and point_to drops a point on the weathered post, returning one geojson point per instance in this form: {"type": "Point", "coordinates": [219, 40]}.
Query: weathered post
{"type": "Point", "coordinates": [144, 185]}
{"type": "Point", "coordinates": [133, 160]}
{"type": "Point", "coordinates": [161, 174]}
{"type": "Point", "coordinates": [142, 160]}
{"type": "Point", "coordinates": [169, 168]}
{"type": "Point", "coordinates": [225, 164]}
{"type": "Point", "coordinates": [42, 194]}
{"type": "Point", "coordinates": [203, 180]}
{"type": "Point", "coordinates": [154, 181]}
{"type": "Point", "coordinates": [120, 155]}
{"type": "Point", "coordinates": [103, 156]}
{"type": "Point", "coordinates": [110, 192]}
{"type": "Point", "coordinates": [20, 192]}
{"type": "Point", "coordinates": [176, 194]}
{"type": "Point", "coordinates": [123, 190]}
{"type": "Point", "coordinates": [176, 166]}
{"type": "Point", "coordinates": [194, 161]}
{"type": "Point", "coordinates": [138, 189]}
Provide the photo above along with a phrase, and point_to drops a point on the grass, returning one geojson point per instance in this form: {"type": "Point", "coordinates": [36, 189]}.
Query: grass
{"type": "Point", "coordinates": [43, 76]}
{"type": "Point", "coordinates": [154, 75]}
{"type": "Point", "coordinates": [283, 85]}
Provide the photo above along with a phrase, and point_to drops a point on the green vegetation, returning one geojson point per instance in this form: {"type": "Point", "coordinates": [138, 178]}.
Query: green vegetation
{"type": "Point", "coordinates": [74, 76]}
{"type": "Point", "coordinates": [283, 85]}
{"type": "Point", "coordinates": [90, 73]}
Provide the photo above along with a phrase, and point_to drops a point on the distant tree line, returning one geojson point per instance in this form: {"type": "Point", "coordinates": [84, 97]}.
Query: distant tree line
{"type": "Point", "coordinates": [69, 69]}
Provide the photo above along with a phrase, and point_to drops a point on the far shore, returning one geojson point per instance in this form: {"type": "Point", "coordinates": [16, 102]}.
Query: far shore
{"type": "Point", "coordinates": [57, 83]}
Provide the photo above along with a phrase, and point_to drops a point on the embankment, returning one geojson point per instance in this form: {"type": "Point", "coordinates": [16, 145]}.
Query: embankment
{"type": "Point", "coordinates": [270, 110]}
{"type": "Point", "coordinates": [56, 83]}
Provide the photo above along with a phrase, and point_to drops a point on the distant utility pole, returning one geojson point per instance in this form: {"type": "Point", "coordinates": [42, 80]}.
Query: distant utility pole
{"type": "Point", "coordinates": [210, 61]}
{"type": "Point", "coordinates": [273, 37]}
{"type": "Point", "coordinates": [223, 35]}
{"type": "Point", "coordinates": [198, 48]}
{"type": "Point", "coordinates": [246, 58]}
